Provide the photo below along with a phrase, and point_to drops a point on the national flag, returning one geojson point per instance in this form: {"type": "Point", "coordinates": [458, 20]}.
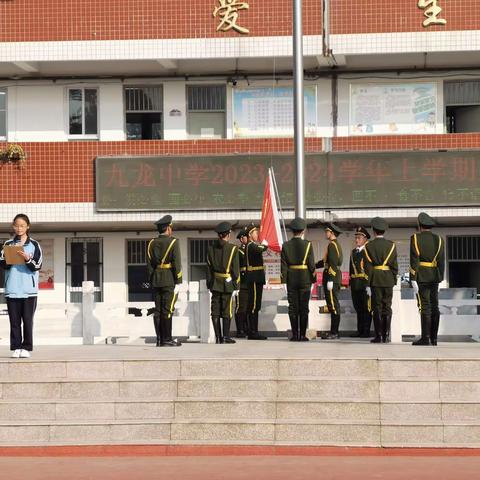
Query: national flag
{"type": "Point", "coordinates": [270, 223]}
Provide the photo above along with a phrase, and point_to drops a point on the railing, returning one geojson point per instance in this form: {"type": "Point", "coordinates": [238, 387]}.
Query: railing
{"type": "Point", "coordinates": [89, 322]}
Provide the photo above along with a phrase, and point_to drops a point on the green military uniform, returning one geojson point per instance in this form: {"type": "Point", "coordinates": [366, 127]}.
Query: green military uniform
{"type": "Point", "coordinates": [358, 285]}
{"type": "Point", "coordinates": [255, 278]}
{"type": "Point", "coordinates": [164, 271]}
{"type": "Point", "coordinates": [382, 271]}
{"type": "Point", "coordinates": [331, 264]}
{"type": "Point", "coordinates": [298, 272]}
{"type": "Point", "coordinates": [427, 268]}
{"type": "Point", "coordinates": [223, 275]}
{"type": "Point", "coordinates": [242, 298]}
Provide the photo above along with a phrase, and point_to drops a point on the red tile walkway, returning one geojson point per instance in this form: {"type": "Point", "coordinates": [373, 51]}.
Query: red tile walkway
{"type": "Point", "coordinates": [278, 467]}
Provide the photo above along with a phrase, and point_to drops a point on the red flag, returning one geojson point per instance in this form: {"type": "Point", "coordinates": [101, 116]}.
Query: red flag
{"type": "Point", "coordinates": [270, 223]}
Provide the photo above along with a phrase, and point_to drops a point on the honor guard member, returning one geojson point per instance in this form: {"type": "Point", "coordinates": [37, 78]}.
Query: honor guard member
{"type": "Point", "coordinates": [332, 277]}
{"type": "Point", "coordinates": [165, 274]}
{"type": "Point", "coordinates": [359, 283]}
{"type": "Point", "coordinates": [427, 268]}
{"type": "Point", "coordinates": [382, 270]}
{"type": "Point", "coordinates": [298, 272]}
{"type": "Point", "coordinates": [223, 276]}
{"type": "Point", "coordinates": [255, 280]}
{"type": "Point", "coordinates": [242, 297]}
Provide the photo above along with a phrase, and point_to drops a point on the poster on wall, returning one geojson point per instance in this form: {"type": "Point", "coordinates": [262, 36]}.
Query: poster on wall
{"type": "Point", "coordinates": [389, 109]}
{"type": "Point", "coordinates": [272, 263]}
{"type": "Point", "coordinates": [46, 280]}
{"type": "Point", "coordinates": [268, 112]}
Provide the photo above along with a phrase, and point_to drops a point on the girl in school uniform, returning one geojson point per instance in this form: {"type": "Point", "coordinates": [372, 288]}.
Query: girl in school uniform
{"type": "Point", "coordinates": [21, 286]}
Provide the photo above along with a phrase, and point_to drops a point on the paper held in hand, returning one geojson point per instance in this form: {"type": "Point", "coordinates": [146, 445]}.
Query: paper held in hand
{"type": "Point", "coordinates": [11, 255]}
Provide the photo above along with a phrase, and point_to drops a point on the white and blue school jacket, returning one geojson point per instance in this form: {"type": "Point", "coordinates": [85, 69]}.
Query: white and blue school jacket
{"type": "Point", "coordinates": [21, 281]}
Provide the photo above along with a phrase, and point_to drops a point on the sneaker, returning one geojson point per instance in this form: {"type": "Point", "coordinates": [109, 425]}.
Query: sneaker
{"type": "Point", "coordinates": [24, 354]}
{"type": "Point", "coordinates": [15, 354]}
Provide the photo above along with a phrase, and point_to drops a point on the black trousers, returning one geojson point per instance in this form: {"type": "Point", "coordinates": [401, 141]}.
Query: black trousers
{"type": "Point", "coordinates": [21, 312]}
{"type": "Point", "coordinates": [221, 305]}
{"type": "Point", "coordinates": [298, 310]}
{"type": "Point", "coordinates": [242, 301]}
{"type": "Point", "coordinates": [255, 291]}
{"type": "Point", "coordinates": [382, 301]}
{"type": "Point", "coordinates": [427, 299]}
{"type": "Point", "coordinates": [165, 299]}
{"type": "Point", "coordinates": [362, 307]}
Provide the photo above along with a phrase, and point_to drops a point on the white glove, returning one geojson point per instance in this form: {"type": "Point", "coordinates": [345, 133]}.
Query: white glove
{"type": "Point", "coordinates": [330, 286]}
{"type": "Point", "coordinates": [176, 289]}
{"type": "Point", "coordinates": [265, 242]}
{"type": "Point", "coordinates": [415, 287]}
{"type": "Point", "coordinates": [369, 291]}
{"type": "Point", "coordinates": [235, 293]}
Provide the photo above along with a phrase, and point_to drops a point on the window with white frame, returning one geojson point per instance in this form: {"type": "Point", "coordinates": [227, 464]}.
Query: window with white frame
{"type": "Point", "coordinates": [84, 263]}
{"type": "Point", "coordinates": [83, 112]}
{"type": "Point", "coordinates": [206, 111]}
{"type": "Point", "coordinates": [143, 112]}
{"type": "Point", "coordinates": [3, 113]}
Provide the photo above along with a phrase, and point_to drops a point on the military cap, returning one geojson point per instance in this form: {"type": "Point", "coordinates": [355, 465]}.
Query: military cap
{"type": "Point", "coordinates": [425, 220]}
{"type": "Point", "coordinates": [223, 227]}
{"type": "Point", "coordinates": [379, 224]}
{"type": "Point", "coordinates": [362, 231]}
{"type": "Point", "coordinates": [298, 224]}
{"type": "Point", "coordinates": [333, 228]}
{"type": "Point", "coordinates": [250, 228]}
{"type": "Point", "coordinates": [242, 233]}
{"type": "Point", "coordinates": [165, 220]}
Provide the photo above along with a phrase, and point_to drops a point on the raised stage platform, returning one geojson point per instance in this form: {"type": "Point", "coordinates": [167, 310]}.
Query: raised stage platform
{"type": "Point", "coordinates": [251, 393]}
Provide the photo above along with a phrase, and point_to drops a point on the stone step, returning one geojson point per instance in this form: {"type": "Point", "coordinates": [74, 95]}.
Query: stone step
{"type": "Point", "coordinates": [366, 433]}
{"type": "Point", "coordinates": [378, 369]}
{"type": "Point", "coordinates": [228, 408]}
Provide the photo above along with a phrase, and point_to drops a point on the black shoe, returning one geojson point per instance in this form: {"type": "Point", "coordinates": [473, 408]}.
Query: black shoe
{"type": "Point", "coordinates": [422, 341]}
{"type": "Point", "coordinates": [228, 340]}
{"type": "Point", "coordinates": [158, 341]}
{"type": "Point", "coordinates": [365, 335]}
{"type": "Point", "coordinates": [376, 340]}
{"type": "Point", "coordinates": [433, 341]}
{"type": "Point", "coordinates": [171, 343]}
{"type": "Point", "coordinates": [240, 335]}
{"type": "Point", "coordinates": [256, 336]}
{"type": "Point", "coordinates": [386, 339]}
{"type": "Point", "coordinates": [355, 335]}
{"type": "Point", "coordinates": [331, 336]}
{"type": "Point", "coordinates": [304, 339]}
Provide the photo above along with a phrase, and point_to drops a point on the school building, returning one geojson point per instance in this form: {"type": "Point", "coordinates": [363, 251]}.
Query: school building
{"type": "Point", "coordinates": [126, 111]}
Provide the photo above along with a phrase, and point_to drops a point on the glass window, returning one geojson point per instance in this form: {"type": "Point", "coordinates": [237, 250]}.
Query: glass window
{"type": "Point", "coordinates": [84, 263]}
{"type": "Point", "coordinates": [143, 113]}
{"type": "Point", "coordinates": [83, 111]}
{"type": "Point", "coordinates": [137, 274]}
{"type": "Point", "coordinates": [206, 111]}
{"type": "Point", "coordinates": [462, 106]}
{"type": "Point", "coordinates": [198, 250]}
{"type": "Point", "coordinates": [3, 113]}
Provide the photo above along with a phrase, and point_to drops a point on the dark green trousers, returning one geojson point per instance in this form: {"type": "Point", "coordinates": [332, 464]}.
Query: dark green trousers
{"type": "Point", "coordinates": [382, 300]}
{"type": "Point", "coordinates": [221, 305]}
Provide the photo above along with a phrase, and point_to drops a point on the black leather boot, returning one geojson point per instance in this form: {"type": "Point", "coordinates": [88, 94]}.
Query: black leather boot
{"type": "Point", "coordinates": [294, 326]}
{"type": "Point", "coordinates": [168, 341]}
{"type": "Point", "coordinates": [303, 328]}
{"type": "Point", "coordinates": [253, 334]}
{"type": "Point", "coordinates": [158, 329]}
{"type": "Point", "coordinates": [241, 325]}
{"type": "Point", "coordinates": [426, 322]}
{"type": "Point", "coordinates": [434, 328]}
{"type": "Point", "coordinates": [386, 321]}
{"type": "Point", "coordinates": [367, 319]}
{"type": "Point", "coordinates": [377, 323]}
{"type": "Point", "coordinates": [334, 324]}
{"type": "Point", "coordinates": [217, 329]}
{"type": "Point", "coordinates": [226, 331]}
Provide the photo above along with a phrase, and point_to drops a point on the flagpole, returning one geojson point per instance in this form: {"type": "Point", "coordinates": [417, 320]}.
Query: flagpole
{"type": "Point", "coordinates": [271, 172]}
{"type": "Point", "coordinates": [298, 115]}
